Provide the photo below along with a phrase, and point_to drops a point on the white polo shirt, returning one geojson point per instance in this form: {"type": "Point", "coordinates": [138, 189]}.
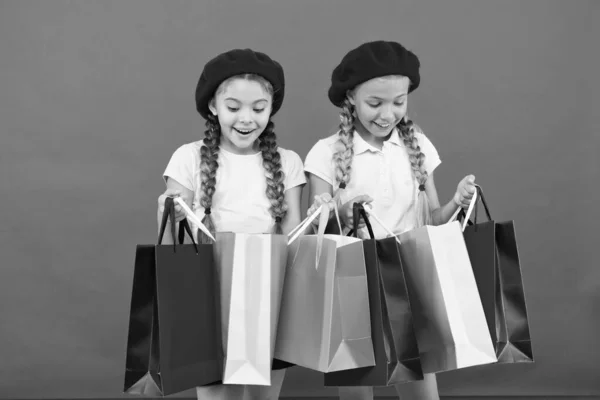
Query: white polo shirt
{"type": "Point", "coordinates": [240, 203]}
{"type": "Point", "coordinates": [385, 175]}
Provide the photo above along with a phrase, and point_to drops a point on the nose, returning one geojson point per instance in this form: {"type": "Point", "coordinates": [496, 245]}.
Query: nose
{"type": "Point", "coordinates": [244, 116]}
{"type": "Point", "coordinates": [387, 113]}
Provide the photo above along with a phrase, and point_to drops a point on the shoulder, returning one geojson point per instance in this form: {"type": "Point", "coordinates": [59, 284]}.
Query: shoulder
{"type": "Point", "coordinates": [188, 151]}
{"type": "Point", "coordinates": [292, 167]}
{"type": "Point", "coordinates": [420, 135]}
{"type": "Point", "coordinates": [324, 148]}
{"type": "Point", "coordinates": [183, 164]}
{"type": "Point", "coordinates": [289, 158]}
{"type": "Point", "coordinates": [424, 141]}
{"type": "Point", "coordinates": [432, 158]}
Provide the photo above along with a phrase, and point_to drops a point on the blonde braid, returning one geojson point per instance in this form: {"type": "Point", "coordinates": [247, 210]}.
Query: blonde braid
{"type": "Point", "coordinates": [417, 158]}
{"type": "Point", "coordinates": [345, 154]}
{"type": "Point", "coordinates": [275, 176]}
{"type": "Point", "coordinates": [209, 154]}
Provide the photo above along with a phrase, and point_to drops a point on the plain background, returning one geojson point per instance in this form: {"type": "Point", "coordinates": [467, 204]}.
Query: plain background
{"type": "Point", "coordinates": [96, 95]}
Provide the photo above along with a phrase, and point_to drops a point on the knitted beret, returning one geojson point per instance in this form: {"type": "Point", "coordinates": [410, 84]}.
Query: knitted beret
{"type": "Point", "coordinates": [237, 62]}
{"type": "Point", "coordinates": [371, 60]}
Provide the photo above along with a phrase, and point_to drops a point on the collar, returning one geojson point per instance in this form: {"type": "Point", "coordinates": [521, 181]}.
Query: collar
{"type": "Point", "coordinates": [361, 146]}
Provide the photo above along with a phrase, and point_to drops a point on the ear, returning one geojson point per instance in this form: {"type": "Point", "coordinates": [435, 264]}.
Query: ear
{"type": "Point", "coordinates": [350, 96]}
{"type": "Point", "coordinates": [212, 108]}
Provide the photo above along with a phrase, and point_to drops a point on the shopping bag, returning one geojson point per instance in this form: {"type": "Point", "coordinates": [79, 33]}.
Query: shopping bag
{"type": "Point", "coordinates": [450, 323]}
{"type": "Point", "coordinates": [324, 319]}
{"type": "Point", "coordinates": [174, 341]}
{"type": "Point", "coordinates": [251, 270]}
{"type": "Point", "coordinates": [392, 331]}
{"type": "Point", "coordinates": [492, 248]}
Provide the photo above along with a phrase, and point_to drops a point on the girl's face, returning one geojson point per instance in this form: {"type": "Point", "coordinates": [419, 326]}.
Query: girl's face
{"type": "Point", "coordinates": [243, 107]}
{"type": "Point", "coordinates": [380, 104]}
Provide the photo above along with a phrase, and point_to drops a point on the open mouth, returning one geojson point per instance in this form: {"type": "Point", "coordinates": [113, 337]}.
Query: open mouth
{"type": "Point", "coordinates": [244, 131]}
{"type": "Point", "coordinates": [382, 126]}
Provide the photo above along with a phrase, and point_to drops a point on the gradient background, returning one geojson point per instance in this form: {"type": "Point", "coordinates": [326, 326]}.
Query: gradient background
{"type": "Point", "coordinates": [96, 95]}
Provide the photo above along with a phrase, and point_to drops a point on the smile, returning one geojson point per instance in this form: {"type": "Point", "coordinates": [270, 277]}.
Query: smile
{"type": "Point", "coordinates": [382, 126]}
{"type": "Point", "coordinates": [244, 131]}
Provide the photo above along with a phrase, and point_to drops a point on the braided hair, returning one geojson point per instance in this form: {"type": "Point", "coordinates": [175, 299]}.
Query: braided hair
{"type": "Point", "coordinates": [345, 153]}
{"type": "Point", "coordinates": [271, 160]}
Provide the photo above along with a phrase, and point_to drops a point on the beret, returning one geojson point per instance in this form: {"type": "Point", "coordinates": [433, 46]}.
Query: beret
{"type": "Point", "coordinates": [372, 60]}
{"type": "Point", "coordinates": [237, 62]}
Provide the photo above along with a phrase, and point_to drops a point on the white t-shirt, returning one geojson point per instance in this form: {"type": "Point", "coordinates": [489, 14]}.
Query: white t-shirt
{"type": "Point", "coordinates": [385, 175]}
{"type": "Point", "coordinates": [240, 203]}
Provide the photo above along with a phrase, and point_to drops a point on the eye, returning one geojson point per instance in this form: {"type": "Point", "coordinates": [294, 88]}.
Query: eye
{"type": "Point", "coordinates": [259, 110]}
{"type": "Point", "coordinates": [233, 109]}
{"type": "Point", "coordinates": [374, 105]}
{"type": "Point", "coordinates": [399, 104]}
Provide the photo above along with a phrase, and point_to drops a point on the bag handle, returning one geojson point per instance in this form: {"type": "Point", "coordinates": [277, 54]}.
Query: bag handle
{"type": "Point", "coordinates": [324, 211]}
{"type": "Point", "coordinates": [337, 216]}
{"type": "Point", "coordinates": [301, 227]}
{"type": "Point", "coordinates": [358, 211]}
{"type": "Point", "coordinates": [485, 205]}
{"type": "Point", "coordinates": [461, 214]}
{"type": "Point", "coordinates": [194, 218]}
{"type": "Point", "coordinates": [169, 214]}
{"type": "Point", "coordinates": [184, 227]}
{"type": "Point", "coordinates": [370, 212]}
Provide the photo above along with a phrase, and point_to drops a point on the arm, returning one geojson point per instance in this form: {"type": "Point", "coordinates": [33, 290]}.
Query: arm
{"type": "Point", "coordinates": [294, 215]}
{"type": "Point", "coordinates": [441, 214]}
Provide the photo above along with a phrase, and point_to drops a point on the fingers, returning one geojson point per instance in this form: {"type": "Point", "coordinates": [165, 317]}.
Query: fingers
{"type": "Point", "coordinates": [172, 193]}
{"type": "Point", "coordinates": [318, 201]}
{"type": "Point", "coordinates": [464, 198]}
{"type": "Point", "coordinates": [350, 221]}
{"type": "Point", "coordinates": [324, 198]}
{"type": "Point", "coordinates": [468, 182]}
{"type": "Point", "coordinates": [362, 199]}
{"type": "Point", "coordinates": [179, 212]}
{"type": "Point", "coordinates": [465, 191]}
{"type": "Point", "coordinates": [167, 193]}
{"type": "Point", "coordinates": [179, 217]}
{"type": "Point", "coordinates": [346, 212]}
{"type": "Point", "coordinates": [314, 207]}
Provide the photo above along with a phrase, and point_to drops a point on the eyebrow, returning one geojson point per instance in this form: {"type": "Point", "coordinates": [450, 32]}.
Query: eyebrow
{"type": "Point", "coordinates": [236, 100]}
{"type": "Point", "coordinates": [379, 98]}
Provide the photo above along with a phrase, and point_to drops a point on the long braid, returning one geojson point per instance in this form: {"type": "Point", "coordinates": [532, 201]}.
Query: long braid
{"type": "Point", "coordinates": [345, 148]}
{"type": "Point", "coordinates": [275, 176]}
{"type": "Point", "coordinates": [271, 161]}
{"type": "Point", "coordinates": [209, 154]}
{"type": "Point", "coordinates": [417, 158]}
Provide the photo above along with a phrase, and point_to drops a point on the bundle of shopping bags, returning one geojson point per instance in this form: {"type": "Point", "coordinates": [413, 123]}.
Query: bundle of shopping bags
{"type": "Point", "coordinates": [364, 312]}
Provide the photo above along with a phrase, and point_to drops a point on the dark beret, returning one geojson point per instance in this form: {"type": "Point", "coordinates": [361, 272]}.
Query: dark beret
{"type": "Point", "coordinates": [371, 60]}
{"type": "Point", "coordinates": [237, 62]}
